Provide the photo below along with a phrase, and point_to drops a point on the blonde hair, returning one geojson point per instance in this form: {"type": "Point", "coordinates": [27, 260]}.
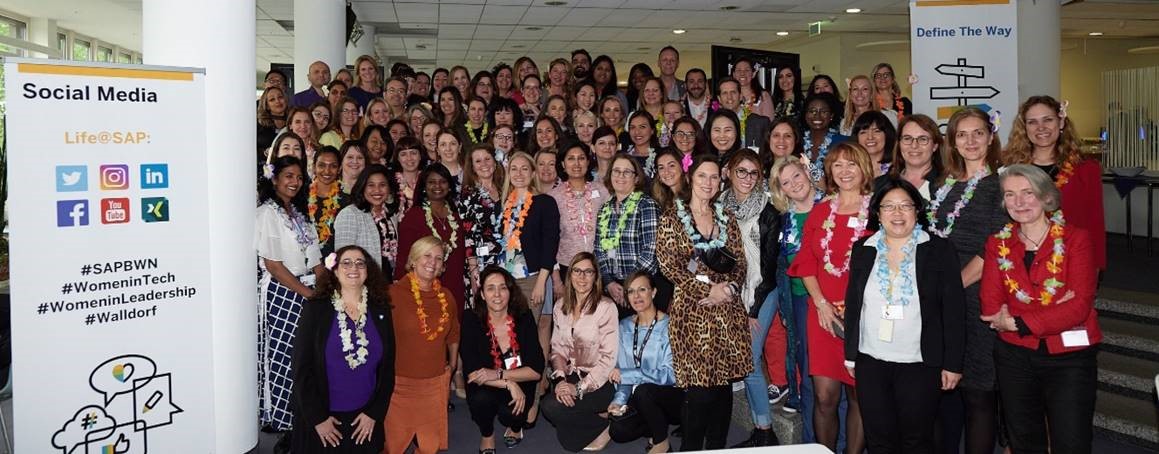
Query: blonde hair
{"type": "Point", "coordinates": [777, 196]}
{"type": "Point", "coordinates": [366, 121]}
{"type": "Point", "coordinates": [358, 62]}
{"type": "Point", "coordinates": [848, 119]}
{"type": "Point", "coordinates": [1021, 151]}
{"type": "Point", "coordinates": [265, 117]}
{"type": "Point", "coordinates": [532, 186]}
{"type": "Point", "coordinates": [422, 246]}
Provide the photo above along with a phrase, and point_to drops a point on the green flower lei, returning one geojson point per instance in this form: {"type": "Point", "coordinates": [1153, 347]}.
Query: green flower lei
{"type": "Point", "coordinates": [609, 243]}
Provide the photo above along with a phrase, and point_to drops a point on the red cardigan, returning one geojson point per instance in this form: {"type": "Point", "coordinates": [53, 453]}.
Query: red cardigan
{"type": "Point", "coordinates": [1082, 203]}
{"type": "Point", "coordinates": [1045, 322]}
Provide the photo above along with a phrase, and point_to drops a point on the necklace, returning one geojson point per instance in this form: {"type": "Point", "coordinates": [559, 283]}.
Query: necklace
{"type": "Point", "coordinates": [580, 225]}
{"type": "Point", "coordinates": [511, 242]}
{"type": "Point", "coordinates": [830, 225]}
{"type": "Point", "coordinates": [721, 226]}
{"type": "Point", "coordinates": [1051, 284]}
{"type": "Point", "coordinates": [496, 355]}
{"type": "Point", "coordinates": [965, 200]}
{"type": "Point", "coordinates": [354, 358]}
{"type": "Point", "coordinates": [887, 281]}
{"type": "Point", "coordinates": [607, 242]}
{"type": "Point", "coordinates": [482, 135]}
{"type": "Point", "coordinates": [791, 234]}
{"type": "Point", "coordinates": [816, 166]}
{"type": "Point", "coordinates": [1022, 233]}
{"type": "Point", "coordinates": [452, 224]}
{"type": "Point", "coordinates": [444, 316]}
{"type": "Point", "coordinates": [649, 162]}
{"type": "Point", "coordinates": [329, 210]}
{"type": "Point", "coordinates": [1065, 171]}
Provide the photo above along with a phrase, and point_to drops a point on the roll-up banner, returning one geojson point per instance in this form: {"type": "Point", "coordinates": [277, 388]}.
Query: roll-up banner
{"type": "Point", "coordinates": [965, 53]}
{"type": "Point", "coordinates": [108, 210]}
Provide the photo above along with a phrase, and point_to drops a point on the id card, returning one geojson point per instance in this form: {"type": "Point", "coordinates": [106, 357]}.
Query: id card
{"type": "Point", "coordinates": [512, 362]}
{"type": "Point", "coordinates": [853, 222]}
{"type": "Point", "coordinates": [483, 251]}
{"type": "Point", "coordinates": [885, 331]}
{"type": "Point", "coordinates": [1075, 338]}
{"type": "Point", "coordinates": [893, 312]}
{"type": "Point", "coordinates": [612, 254]}
{"type": "Point", "coordinates": [595, 194]}
{"type": "Point", "coordinates": [692, 265]}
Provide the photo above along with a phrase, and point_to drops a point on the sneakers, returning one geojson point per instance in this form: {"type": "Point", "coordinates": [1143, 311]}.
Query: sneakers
{"type": "Point", "coordinates": [776, 394]}
{"type": "Point", "coordinates": [790, 408]}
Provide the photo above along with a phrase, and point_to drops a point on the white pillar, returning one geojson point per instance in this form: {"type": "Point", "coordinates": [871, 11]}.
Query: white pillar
{"type": "Point", "coordinates": [1039, 48]}
{"type": "Point", "coordinates": [319, 34]}
{"type": "Point", "coordinates": [227, 54]}
{"type": "Point", "coordinates": [42, 31]}
{"type": "Point", "coordinates": [364, 46]}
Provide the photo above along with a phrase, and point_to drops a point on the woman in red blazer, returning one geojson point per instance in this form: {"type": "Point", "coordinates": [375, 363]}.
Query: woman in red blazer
{"type": "Point", "coordinates": [1043, 135]}
{"type": "Point", "coordinates": [1038, 287]}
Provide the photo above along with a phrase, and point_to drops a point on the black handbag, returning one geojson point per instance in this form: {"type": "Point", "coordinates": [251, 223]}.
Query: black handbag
{"type": "Point", "coordinates": [718, 259]}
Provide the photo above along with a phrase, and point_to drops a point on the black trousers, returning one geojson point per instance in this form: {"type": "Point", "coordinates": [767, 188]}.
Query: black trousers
{"type": "Point", "coordinates": [707, 413]}
{"type": "Point", "coordinates": [487, 403]}
{"type": "Point", "coordinates": [899, 403]}
{"type": "Point", "coordinates": [1038, 389]}
{"type": "Point", "coordinates": [578, 425]}
{"type": "Point", "coordinates": [655, 407]}
{"type": "Point", "coordinates": [305, 440]}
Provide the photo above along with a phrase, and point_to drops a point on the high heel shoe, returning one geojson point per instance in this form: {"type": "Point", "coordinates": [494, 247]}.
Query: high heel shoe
{"type": "Point", "coordinates": [600, 442]}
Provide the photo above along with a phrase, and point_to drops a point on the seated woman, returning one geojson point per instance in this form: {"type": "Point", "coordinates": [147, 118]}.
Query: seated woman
{"type": "Point", "coordinates": [502, 358]}
{"type": "Point", "coordinates": [647, 400]}
{"type": "Point", "coordinates": [343, 370]}
{"type": "Point", "coordinates": [583, 354]}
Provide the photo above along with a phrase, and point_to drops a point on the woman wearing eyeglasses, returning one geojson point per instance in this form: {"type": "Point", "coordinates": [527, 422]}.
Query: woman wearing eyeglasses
{"type": "Point", "coordinates": [889, 95]}
{"type": "Point", "coordinates": [917, 158]}
{"type": "Point", "coordinates": [346, 127]}
{"type": "Point", "coordinates": [625, 228]}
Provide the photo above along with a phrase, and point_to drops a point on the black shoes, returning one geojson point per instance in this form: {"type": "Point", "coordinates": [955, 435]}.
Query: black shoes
{"type": "Point", "coordinates": [759, 437]}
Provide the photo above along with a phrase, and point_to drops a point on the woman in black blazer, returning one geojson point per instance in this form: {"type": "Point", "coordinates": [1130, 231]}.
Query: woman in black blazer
{"type": "Point", "coordinates": [343, 362]}
{"type": "Point", "coordinates": [904, 322]}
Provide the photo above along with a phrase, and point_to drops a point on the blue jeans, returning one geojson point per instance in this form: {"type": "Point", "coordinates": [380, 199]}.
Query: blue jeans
{"type": "Point", "coordinates": [755, 384]}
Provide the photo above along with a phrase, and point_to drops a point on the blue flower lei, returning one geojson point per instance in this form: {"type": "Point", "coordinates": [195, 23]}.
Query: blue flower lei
{"type": "Point", "coordinates": [721, 224]}
{"type": "Point", "coordinates": [905, 278]}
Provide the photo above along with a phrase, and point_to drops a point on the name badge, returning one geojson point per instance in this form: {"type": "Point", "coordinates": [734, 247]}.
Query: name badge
{"type": "Point", "coordinates": [611, 254]}
{"type": "Point", "coordinates": [853, 222]}
{"type": "Point", "coordinates": [483, 251]}
{"type": "Point", "coordinates": [528, 124]}
{"type": "Point", "coordinates": [885, 331]}
{"type": "Point", "coordinates": [692, 266]}
{"type": "Point", "coordinates": [893, 312]}
{"type": "Point", "coordinates": [704, 279]}
{"type": "Point", "coordinates": [512, 362]}
{"type": "Point", "coordinates": [595, 194]}
{"type": "Point", "coordinates": [1075, 338]}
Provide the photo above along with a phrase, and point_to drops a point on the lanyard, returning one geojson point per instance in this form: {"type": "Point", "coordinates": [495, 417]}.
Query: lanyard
{"type": "Point", "coordinates": [638, 355]}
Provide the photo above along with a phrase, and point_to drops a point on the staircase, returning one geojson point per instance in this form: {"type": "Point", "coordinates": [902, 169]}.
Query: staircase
{"type": "Point", "coordinates": [1125, 409]}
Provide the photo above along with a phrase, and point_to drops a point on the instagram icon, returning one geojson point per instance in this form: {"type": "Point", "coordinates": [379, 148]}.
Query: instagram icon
{"type": "Point", "coordinates": [114, 176]}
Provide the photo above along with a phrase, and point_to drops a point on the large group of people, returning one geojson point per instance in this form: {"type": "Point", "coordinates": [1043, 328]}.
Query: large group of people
{"type": "Point", "coordinates": [544, 245]}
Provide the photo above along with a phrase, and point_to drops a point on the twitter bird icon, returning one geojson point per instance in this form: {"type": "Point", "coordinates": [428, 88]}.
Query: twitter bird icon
{"type": "Point", "coordinates": [72, 178]}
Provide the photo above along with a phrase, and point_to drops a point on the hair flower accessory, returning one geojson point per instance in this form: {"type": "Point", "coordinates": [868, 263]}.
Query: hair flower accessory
{"type": "Point", "coordinates": [715, 105]}
{"type": "Point", "coordinates": [268, 171]}
{"type": "Point", "coordinates": [331, 261]}
{"type": "Point", "coordinates": [1062, 109]}
{"type": "Point", "coordinates": [913, 79]}
{"type": "Point", "coordinates": [995, 121]}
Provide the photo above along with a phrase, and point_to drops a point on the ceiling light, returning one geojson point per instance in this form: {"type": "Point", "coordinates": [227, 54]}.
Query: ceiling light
{"type": "Point", "coordinates": [1095, 33]}
{"type": "Point", "coordinates": [679, 31]}
{"type": "Point", "coordinates": [533, 29]}
{"type": "Point", "coordinates": [728, 8]}
{"type": "Point", "coordinates": [853, 10]}
{"type": "Point", "coordinates": [554, 3]}
{"type": "Point", "coordinates": [782, 33]}
{"type": "Point", "coordinates": [517, 46]}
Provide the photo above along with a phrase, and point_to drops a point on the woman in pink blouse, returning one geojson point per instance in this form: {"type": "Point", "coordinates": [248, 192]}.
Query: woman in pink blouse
{"type": "Point", "coordinates": [583, 354]}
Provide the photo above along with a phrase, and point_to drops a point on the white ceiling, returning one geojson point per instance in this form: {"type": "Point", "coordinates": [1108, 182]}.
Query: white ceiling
{"type": "Point", "coordinates": [480, 33]}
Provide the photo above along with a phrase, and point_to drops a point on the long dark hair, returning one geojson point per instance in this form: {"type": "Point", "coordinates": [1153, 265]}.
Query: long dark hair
{"type": "Point", "coordinates": [516, 302]}
{"type": "Point", "coordinates": [569, 302]}
{"type": "Point", "coordinates": [706, 133]}
{"type": "Point", "coordinates": [766, 153]}
{"type": "Point", "coordinates": [561, 156]}
{"type": "Point", "coordinates": [888, 184]}
{"type": "Point", "coordinates": [376, 285]}
{"type": "Point", "coordinates": [779, 95]}
{"type": "Point", "coordinates": [876, 118]}
{"type": "Point", "coordinates": [609, 88]}
{"type": "Point", "coordinates": [421, 186]}
{"type": "Point", "coordinates": [358, 193]}
{"type": "Point", "coordinates": [266, 190]}
{"type": "Point", "coordinates": [632, 93]}
{"type": "Point", "coordinates": [459, 117]}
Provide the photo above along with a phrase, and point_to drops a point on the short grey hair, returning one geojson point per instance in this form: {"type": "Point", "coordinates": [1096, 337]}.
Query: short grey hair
{"type": "Point", "coordinates": [1041, 184]}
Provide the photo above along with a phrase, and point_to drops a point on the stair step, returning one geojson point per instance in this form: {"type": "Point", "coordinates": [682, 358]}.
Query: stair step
{"type": "Point", "coordinates": [1130, 338]}
{"type": "Point", "coordinates": [1129, 420]}
{"type": "Point", "coordinates": [1131, 310]}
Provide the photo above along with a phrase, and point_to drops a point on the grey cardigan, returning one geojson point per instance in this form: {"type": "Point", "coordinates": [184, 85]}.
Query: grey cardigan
{"type": "Point", "coordinates": [354, 226]}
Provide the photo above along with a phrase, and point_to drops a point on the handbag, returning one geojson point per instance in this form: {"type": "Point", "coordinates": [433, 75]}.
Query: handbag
{"type": "Point", "coordinates": [718, 259]}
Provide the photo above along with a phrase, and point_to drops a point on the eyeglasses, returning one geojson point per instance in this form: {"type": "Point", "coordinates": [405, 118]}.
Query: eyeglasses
{"type": "Point", "coordinates": [349, 111]}
{"type": "Point", "coordinates": [883, 76]}
{"type": "Point", "coordinates": [902, 207]}
{"type": "Point", "coordinates": [623, 173]}
{"type": "Point", "coordinates": [746, 174]}
{"type": "Point", "coordinates": [685, 134]}
{"type": "Point", "coordinates": [921, 140]}
{"type": "Point", "coordinates": [504, 136]}
{"type": "Point", "coordinates": [353, 264]}
{"type": "Point", "coordinates": [586, 272]}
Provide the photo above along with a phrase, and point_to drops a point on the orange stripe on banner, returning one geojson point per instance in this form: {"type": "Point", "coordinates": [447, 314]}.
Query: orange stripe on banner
{"type": "Point", "coordinates": [35, 68]}
{"type": "Point", "coordinates": [960, 2]}
{"type": "Point", "coordinates": [948, 111]}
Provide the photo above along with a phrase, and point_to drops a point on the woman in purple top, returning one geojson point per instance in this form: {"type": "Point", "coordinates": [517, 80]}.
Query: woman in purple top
{"type": "Point", "coordinates": [343, 362]}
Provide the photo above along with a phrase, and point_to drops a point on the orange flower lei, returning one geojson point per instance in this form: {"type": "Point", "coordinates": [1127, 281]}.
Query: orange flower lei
{"type": "Point", "coordinates": [513, 243]}
{"type": "Point", "coordinates": [1051, 285]}
{"type": "Point", "coordinates": [1065, 171]}
{"type": "Point", "coordinates": [329, 210]}
{"type": "Point", "coordinates": [444, 317]}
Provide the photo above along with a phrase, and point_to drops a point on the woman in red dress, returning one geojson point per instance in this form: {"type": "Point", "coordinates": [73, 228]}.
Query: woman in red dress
{"type": "Point", "coordinates": [1043, 135]}
{"type": "Point", "coordinates": [823, 264]}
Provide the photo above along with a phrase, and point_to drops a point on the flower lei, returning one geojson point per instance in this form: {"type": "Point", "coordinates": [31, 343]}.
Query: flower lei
{"type": "Point", "coordinates": [885, 283]}
{"type": "Point", "coordinates": [297, 223]}
{"type": "Point", "coordinates": [1051, 285]}
{"type": "Point", "coordinates": [744, 118]}
{"type": "Point", "coordinates": [483, 135]}
{"type": "Point", "coordinates": [791, 234]}
{"type": "Point", "coordinates": [649, 162]}
{"type": "Point", "coordinates": [721, 225]}
{"type": "Point", "coordinates": [406, 192]}
{"type": "Point", "coordinates": [817, 168]}
{"type": "Point", "coordinates": [495, 355]}
{"type": "Point", "coordinates": [451, 222]}
{"type": "Point", "coordinates": [354, 358]}
{"type": "Point", "coordinates": [579, 225]}
{"type": "Point", "coordinates": [608, 243]}
{"type": "Point", "coordinates": [329, 210]}
{"type": "Point", "coordinates": [830, 224]}
{"type": "Point", "coordinates": [444, 316]}
{"type": "Point", "coordinates": [1065, 171]}
{"type": "Point", "coordinates": [940, 197]}
{"type": "Point", "coordinates": [662, 130]}
{"type": "Point", "coordinates": [513, 243]}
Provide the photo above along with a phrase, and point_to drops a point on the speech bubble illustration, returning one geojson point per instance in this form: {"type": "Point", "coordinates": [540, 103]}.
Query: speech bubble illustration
{"type": "Point", "coordinates": [122, 374]}
{"type": "Point", "coordinates": [152, 401]}
{"type": "Point", "coordinates": [84, 427]}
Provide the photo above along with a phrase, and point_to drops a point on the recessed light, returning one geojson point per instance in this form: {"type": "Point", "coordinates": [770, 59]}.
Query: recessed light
{"type": "Point", "coordinates": [853, 10]}
{"type": "Point", "coordinates": [679, 31]}
{"type": "Point", "coordinates": [554, 3]}
{"type": "Point", "coordinates": [782, 33]}
{"type": "Point", "coordinates": [1095, 33]}
{"type": "Point", "coordinates": [728, 8]}
{"type": "Point", "coordinates": [533, 29]}
{"type": "Point", "coordinates": [517, 46]}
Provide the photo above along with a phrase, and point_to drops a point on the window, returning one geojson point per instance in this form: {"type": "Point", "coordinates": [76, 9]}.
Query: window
{"type": "Point", "coordinates": [124, 58]}
{"type": "Point", "coordinates": [14, 29]}
{"type": "Point", "coordinates": [62, 44]}
{"type": "Point", "coordinates": [104, 54]}
{"type": "Point", "coordinates": [81, 50]}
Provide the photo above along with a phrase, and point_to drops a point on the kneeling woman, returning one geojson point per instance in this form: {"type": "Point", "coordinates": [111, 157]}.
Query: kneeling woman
{"type": "Point", "coordinates": [905, 321]}
{"type": "Point", "coordinates": [502, 358]}
{"type": "Point", "coordinates": [343, 367]}
{"type": "Point", "coordinates": [645, 372]}
{"type": "Point", "coordinates": [426, 333]}
{"type": "Point", "coordinates": [583, 354]}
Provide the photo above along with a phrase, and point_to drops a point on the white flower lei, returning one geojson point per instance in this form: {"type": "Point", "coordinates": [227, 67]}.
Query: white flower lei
{"type": "Point", "coordinates": [353, 358]}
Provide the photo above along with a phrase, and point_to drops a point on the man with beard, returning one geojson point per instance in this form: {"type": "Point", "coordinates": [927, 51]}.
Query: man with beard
{"type": "Point", "coordinates": [668, 61]}
{"type": "Point", "coordinates": [581, 64]}
{"type": "Point", "coordinates": [754, 126]}
{"type": "Point", "coordinates": [697, 99]}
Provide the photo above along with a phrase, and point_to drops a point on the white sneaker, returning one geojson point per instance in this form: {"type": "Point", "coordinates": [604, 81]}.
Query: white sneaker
{"type": "Point", "coordinates": [776, 394]}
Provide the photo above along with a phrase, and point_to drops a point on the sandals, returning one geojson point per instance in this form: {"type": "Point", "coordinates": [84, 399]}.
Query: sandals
{"type": "Point", "coordinates": [510, 440]}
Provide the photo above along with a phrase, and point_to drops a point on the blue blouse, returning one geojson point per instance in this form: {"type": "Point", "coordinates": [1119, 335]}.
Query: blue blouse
{"type": "Point", "coordinates": [655, 362]}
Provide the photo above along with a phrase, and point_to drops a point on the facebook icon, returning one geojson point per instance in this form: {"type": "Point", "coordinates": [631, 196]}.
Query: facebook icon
{"type": "Point", "coordinates": [72, 213]}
